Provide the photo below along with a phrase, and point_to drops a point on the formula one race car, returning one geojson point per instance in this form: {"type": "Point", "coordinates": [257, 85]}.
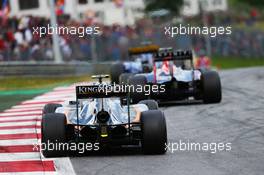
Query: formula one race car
{"type": "Point", "coordinates": [98, 116]}
{"type": "Point", "coordinates": [140, 61]}
{"type": "Point", "coordinates": [174, 71]}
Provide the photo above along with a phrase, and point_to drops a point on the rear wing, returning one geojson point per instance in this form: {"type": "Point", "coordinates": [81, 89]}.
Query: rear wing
{"type": "Point", "coordinates": [168, 54]}
{"type": "Point", "coordinates": [143, 49]}
{"type": "Point", "coordinates": [99, 91]}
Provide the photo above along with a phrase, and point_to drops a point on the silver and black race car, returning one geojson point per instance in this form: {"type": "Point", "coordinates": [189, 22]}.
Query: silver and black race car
{"type": "Point", "coordinates": [174, 72]}
{"type": "Point", "coordinates": [97, 115]}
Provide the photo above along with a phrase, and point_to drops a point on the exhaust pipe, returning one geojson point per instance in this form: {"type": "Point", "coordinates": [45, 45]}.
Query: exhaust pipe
{"type": "Point", "coordinates": [89, 133]}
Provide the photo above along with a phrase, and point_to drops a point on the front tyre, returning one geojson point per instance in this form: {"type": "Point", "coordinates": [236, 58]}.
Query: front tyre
{"type": "Point", "coordinates": [50, 108]}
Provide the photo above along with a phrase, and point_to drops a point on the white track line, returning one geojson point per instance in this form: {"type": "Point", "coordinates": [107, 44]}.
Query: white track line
{"type": "Point", "coordinates": [19, 113]}
{"type": "Point", "coordinates": [20, 131]}
{"type": "Point", "coordinates": [53, 97]}
{"type": "Point", "coordinates": [31, 173]}
{"type": "Point", "coordinates": [20, 118]}
{"type": "Point", "coordinates": [38, 102]}
{"type": "Point", "coordinates": [44, 100]}
{"type": "Point", "coordinates": [22, 110]}
{"type": "Point", "coordinates": [28, 106]}
{"type": "Point", "coordinates": [18, 123]}
{"type": "Point", "coordinates": [19, 156]}
{"type": "Point", "coordinates": [19, 142]}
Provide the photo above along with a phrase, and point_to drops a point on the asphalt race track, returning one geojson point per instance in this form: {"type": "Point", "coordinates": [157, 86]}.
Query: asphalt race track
{"type": "Point", "coordinates": [238, 120]}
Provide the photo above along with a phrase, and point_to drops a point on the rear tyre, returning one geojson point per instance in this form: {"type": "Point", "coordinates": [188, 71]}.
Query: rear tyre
{"type": "Point", "coordinates": [151, 104]}
{"type": "Point", "coordinates": [138, 81]}
{"type": "Point", "coordinates": [154, 132]}
{"type": "Point", "coordinates": [53, 129]}
{"type": "Point", "coordinates": [124, 77]}
{"type": "Point", "coordinates": [116, 71]}
{"type": "Point", "coordinates": [211, 87]}
{"type": "Point", "coordinates": [50, 108]}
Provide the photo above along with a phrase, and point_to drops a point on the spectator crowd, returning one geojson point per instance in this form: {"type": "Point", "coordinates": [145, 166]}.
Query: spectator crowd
{"type": "Point", "coordinates": [18, 42]}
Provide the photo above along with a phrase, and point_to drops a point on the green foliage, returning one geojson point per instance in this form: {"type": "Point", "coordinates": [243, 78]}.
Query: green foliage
{"type": "Point", "coordinates": [171, 5]}
{"type": "Point", "coordinates": [10, 100]}
{"type": "Point", "coordinates": [252, 3]}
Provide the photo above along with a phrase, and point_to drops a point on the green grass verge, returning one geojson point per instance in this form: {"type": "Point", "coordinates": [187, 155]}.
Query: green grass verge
{"type": "Point", "coordinates": [28, 83]}
{"type": "Point", "coordinates": [7, 101]}
{"type": "Point", "coordinates": [236, 62]}
{"type": "Point", "coordinates": [16, 89]}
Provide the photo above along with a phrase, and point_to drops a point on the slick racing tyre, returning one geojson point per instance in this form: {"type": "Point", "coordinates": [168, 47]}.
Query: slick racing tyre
{"type": "Point", "coordinates": [124, 77]}
{"type": "Point", "coordinates": [138, 81]}
{"type": "Point", "coordinates": [151, 104]}
{"type": "Point", "coordinates": [211, 87]}
{"type": "Point", "coordinates": [53, 134]}
{"type": "Point", "coordinates": [154, 132]}
{"type": "Point", "coordinates": [50, 108]}
{"type": "Point", "coordinates": [115, 72]}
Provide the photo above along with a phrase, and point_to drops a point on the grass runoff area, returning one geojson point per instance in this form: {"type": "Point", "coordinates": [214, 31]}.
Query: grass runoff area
{"type": "Point", "coordinates": [16, 89]}
{"type": "Point", "coordinates": [236, 62]}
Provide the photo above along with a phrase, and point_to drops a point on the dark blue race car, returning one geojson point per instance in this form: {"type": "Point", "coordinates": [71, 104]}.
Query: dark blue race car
{"type": "Point", "coordinates": [140, 61]}
{"type": "Point", "coordinates": [174, 71]}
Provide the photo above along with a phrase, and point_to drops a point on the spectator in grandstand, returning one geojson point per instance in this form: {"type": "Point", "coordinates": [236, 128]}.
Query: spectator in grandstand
{"type": "Point", "coordinates": [19, 43]}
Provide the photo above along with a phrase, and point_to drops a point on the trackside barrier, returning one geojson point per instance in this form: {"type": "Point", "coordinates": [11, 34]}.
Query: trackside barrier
{"type": "Point", "coordinates": [51, 69]}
